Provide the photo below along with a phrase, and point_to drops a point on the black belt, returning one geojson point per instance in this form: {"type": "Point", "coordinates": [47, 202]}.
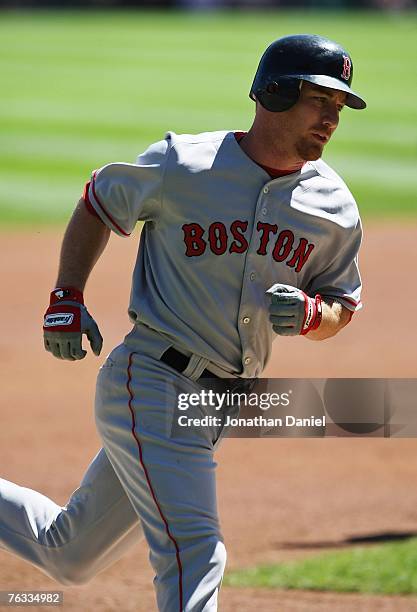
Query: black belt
{"type": "Point", "coordinates": [179, 362]}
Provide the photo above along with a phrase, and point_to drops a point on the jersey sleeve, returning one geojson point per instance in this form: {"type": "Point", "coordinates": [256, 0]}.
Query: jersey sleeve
{"type": "Point", "coordinates": [122, 194]}
{"type": "Point", "coordinates": [341, 280]}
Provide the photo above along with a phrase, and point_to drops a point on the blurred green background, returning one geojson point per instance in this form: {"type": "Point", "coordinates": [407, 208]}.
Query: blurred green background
{"type": "Point", "coordinates": [83, 89]}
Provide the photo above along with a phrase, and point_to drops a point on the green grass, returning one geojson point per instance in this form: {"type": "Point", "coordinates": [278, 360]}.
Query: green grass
{"type": "Point", "coordinates": [82, 89]}
{"type": "Point", "coordinates": [387, 569]}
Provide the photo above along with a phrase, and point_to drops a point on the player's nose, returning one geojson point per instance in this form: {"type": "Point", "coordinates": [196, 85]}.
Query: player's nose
{"type": "Point", "coordinates": [330, 116]}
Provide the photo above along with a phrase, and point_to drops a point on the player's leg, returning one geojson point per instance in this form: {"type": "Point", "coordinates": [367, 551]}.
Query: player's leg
{"type": "Point", "coordinates": [170, 480]}
{"type": "Point", "coordinates": [73, 543]}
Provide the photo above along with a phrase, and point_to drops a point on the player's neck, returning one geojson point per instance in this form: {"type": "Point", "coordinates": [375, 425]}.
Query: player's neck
{"type": "Point", "coordinates": [255, 145]}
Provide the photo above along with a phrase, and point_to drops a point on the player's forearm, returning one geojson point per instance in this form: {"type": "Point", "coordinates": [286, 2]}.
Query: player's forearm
{"type": "Point", "coordinates": [334, 318]}
{"type": "Point", "coordinates": [84, 241]}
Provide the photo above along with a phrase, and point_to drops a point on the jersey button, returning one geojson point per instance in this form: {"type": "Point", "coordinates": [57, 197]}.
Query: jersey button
{"type": "Point", "coordinates": [264, 211]}
{"type": "Point", "coordinates": [252, 276]}
{"type": "Point", "coordinates": [247, 360]}
{"type": "Point", "coordinates": [266, 189]}
{"type": "Point", "coordinates": [246, 320]}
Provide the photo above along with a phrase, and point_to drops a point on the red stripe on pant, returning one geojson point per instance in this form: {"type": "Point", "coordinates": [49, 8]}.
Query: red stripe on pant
{"type": "Point", "coordinates": [170, 536]}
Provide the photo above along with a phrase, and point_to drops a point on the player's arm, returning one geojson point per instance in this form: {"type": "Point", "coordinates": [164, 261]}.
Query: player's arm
{"type": "Point", "coordinates": [84, 241]}
{"type": "Point", "coordinates": [292, 313]}
{"type": "Point", "coordinates": [67, 319]}
{"type": "Point", "coordinates": [334, 318]}
{"type": "Point", "coordinates": [322, 313]}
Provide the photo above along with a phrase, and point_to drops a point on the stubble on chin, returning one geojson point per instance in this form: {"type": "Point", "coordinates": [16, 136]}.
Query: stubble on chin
{"type": "Point", "coordinates": [309, 151]}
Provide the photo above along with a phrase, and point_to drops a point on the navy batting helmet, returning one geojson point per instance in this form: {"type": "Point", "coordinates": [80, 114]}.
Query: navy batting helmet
{"type": "Point", "coordinates": [303, 57]}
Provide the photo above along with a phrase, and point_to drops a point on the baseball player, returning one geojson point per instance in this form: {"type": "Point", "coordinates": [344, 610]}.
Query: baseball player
{"type": "Point", "coordinates": [247, 236]}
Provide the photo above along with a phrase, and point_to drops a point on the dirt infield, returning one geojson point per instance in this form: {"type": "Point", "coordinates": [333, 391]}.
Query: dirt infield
{"type": "Point", "coordinates": [279, 499]}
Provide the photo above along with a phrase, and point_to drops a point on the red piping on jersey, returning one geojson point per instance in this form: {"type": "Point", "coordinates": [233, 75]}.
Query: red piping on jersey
{"type": "Point", "coordinates": [90, 208]}
{"type": "Point", "coordinates": [177, 551]}
{"type": "Point", "coordinates": [103, 209]}
{"type": "Point", "coordinates": [350, 300]}
{"type": "Point", "coordinates": [88, 204]}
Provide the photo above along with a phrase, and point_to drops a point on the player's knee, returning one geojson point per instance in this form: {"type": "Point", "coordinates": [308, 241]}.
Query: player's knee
{"type": "Point", "coordinates": [211, 549]}
{"type": "Point", "coordinates": [71, 573]}
{"type": "Point", "coordinates": [72, 578]}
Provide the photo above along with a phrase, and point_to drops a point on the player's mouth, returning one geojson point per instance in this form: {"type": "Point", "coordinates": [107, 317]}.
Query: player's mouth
{"type": "Point", "coordinates": [322, 138]}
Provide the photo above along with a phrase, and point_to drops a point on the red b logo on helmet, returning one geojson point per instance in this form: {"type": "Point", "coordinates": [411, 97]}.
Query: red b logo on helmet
{"type": "Point", "coordinates": [347, 66]}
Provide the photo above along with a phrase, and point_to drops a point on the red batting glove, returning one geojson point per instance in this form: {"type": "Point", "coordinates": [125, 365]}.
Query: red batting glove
{"type": "Point", "coordinates": [65, 321]}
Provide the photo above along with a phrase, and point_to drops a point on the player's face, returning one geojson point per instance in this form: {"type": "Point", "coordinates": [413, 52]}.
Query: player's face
{"type": "Point", "coordinates": [310, 123]}
{"type": "Point", "coordinates": [301, 133]}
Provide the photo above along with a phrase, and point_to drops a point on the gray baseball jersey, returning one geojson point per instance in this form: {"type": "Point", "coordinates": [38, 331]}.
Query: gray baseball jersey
{"type": "Point", "coordinates": [218, 233]}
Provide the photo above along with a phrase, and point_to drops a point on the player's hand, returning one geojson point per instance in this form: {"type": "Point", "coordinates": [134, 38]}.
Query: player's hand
{"type": "Point", "coordinates": [65, 321]}
{"type": "Point", "coordinates": [292, 312]}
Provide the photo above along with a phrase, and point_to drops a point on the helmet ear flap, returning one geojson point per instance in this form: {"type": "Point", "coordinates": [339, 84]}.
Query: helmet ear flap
{"type": "Point", "coordinates": [278, 94]}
